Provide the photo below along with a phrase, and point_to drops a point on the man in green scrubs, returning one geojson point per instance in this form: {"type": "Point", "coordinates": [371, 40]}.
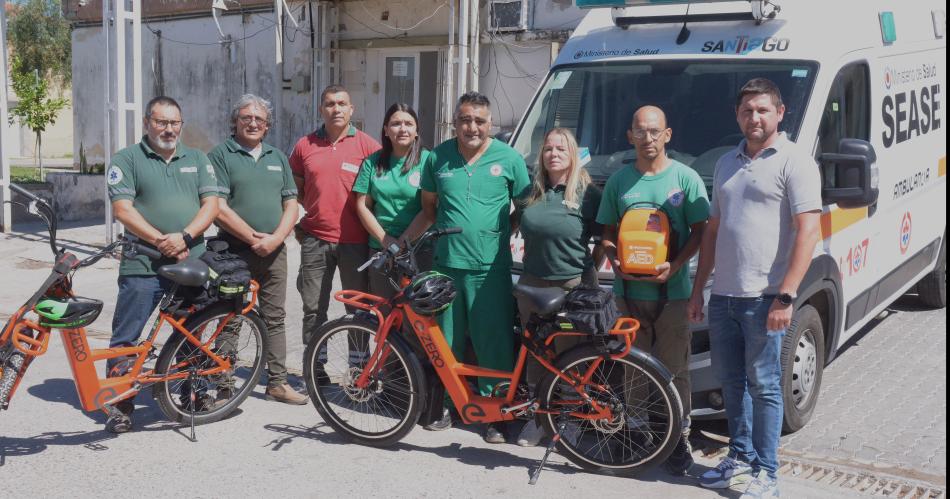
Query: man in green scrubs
{"type": "Point", "coordinates": [470, 182]}
{"type": "Point", "coordinates": [258, 210]}
{"type": "Point", "coordinates": [166, 195]}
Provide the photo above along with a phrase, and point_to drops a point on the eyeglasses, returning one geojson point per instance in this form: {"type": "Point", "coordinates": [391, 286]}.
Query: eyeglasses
{"type": "Point", "coordinates": [247, 120]}
{"type": "Point", "coordinates": [653, 134]}
{"type": "Point", "coordinates": [163, 124]}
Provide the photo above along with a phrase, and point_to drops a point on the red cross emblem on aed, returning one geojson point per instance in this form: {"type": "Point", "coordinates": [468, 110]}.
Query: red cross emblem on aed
{"type": "Point", "coordinates": [905, 232]}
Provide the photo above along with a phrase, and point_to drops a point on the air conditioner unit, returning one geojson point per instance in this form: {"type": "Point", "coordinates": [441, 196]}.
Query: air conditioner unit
{"type": "Point", "coordinates": [508, 15]}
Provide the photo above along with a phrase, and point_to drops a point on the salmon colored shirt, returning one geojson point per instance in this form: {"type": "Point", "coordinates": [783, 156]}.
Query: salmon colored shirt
{"type": "Point", "coordinates": [329, 171]}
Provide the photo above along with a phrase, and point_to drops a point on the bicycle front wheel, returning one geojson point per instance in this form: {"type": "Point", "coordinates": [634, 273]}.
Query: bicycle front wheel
{"type": "Point", "coordinates": [646, 419]}
{"type": "Point", "coordinates": [212, 396]}
{"type": "Point", "coordinates": [380, 413]}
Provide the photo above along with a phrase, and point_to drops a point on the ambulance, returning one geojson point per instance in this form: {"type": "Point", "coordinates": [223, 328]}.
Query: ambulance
{"type": "Point", "coordinates": [863, 82]}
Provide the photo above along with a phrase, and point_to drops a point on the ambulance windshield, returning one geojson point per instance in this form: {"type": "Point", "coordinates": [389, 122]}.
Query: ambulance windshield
{"type": "Point", "coordinates": [597, 102]}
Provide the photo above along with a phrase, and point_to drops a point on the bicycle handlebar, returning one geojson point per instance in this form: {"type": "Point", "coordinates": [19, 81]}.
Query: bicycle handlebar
{"type": "Point", "coordinates": [406, 260]}
{"type": "Point", "coordinates": [152, 253]}
{"type": "Point", "coordinates": [39, 207]}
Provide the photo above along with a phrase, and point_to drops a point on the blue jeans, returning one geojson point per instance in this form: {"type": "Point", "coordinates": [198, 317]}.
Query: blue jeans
{"type": "Point", "coordinates": [747, 359]}
{"type": "Point", "coordinates": [138, 297]}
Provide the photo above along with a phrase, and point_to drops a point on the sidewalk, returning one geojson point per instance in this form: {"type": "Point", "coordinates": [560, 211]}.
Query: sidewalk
{"type": "Point", "coordinates": [58, 163]}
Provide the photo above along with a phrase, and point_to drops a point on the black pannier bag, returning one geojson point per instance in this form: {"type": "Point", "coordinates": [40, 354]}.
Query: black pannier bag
{"type": "Point", "coordinates": [591, 310]}
{"type": "Point", "coordinates": [228, 280]}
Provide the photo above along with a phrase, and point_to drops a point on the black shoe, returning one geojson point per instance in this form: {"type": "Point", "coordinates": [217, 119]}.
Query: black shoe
{"type": "Point", "coordinates": [681, 459]}
{"type": "Point", "coordinates": [121, 419]}
{"type": "Point", "coordinates": [443, 424]}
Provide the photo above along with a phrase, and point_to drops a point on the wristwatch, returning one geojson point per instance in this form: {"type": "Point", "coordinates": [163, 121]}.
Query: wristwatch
{"type": "Point", "coordinates": [189, 241]}
{"type": "Point", "coordinates": [785, 299]}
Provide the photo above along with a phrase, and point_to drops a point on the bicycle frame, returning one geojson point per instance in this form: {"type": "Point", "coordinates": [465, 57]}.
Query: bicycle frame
{"type": "Point", "coordinates": [474, 408]}
{"type": "Point", "coordinates": [97, 393]}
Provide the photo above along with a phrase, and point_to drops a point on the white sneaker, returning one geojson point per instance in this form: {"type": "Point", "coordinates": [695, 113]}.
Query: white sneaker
{"type": "Point", "coordinates": [763, 486]}
{"type": "Point", "coordinates": [728, 473]}
{"type": "Point", "coordinates": [530, 435]}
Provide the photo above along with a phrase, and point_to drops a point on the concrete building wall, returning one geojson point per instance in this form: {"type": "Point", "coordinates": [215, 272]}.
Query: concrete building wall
{"type": "Point", "coordinates": [186, 62]}
{"type": "Point", "coordinates": [182, 59]}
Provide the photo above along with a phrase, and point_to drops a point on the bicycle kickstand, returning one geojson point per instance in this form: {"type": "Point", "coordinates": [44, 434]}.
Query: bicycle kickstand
{"type": "Point", "coordinates": [193, 399]}
{"type": "Point", "coordinates": [561, 424]}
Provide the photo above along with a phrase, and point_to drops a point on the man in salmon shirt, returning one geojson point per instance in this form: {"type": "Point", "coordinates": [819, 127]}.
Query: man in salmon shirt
{"type": "Point", "coordinates": [325, 165]}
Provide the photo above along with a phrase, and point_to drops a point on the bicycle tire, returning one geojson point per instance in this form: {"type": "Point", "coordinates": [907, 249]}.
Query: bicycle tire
{"type": "Point", "coordinates": [249, 361]}
{"type": "Point", "coordinates": [394, 395]}
{"type": "Point", "coordinates": [651, 430]}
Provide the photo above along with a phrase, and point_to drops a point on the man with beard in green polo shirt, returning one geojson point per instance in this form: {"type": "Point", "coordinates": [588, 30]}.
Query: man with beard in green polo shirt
{"type": "Point", "coordinates": [166, 195]}
{"type": "Point", "coordinates": [470, 182]}
{"type": "Point", "coordinates": [258, 210]}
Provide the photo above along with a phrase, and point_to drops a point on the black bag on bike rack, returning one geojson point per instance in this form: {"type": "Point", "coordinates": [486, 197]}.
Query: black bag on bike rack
{"type": "Point", "coordinates": [229, 278]}
{"type": "Point", "coordinates": [591, 310]}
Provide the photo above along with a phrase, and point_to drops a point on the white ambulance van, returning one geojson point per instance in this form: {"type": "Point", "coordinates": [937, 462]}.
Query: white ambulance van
{"type": "Point", "coordinates": [863, 82]}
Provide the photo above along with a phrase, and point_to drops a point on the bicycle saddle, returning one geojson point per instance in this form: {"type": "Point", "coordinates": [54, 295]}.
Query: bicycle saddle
{"type": "Point", "coordinates": [544, 302]}
{"type": "Point", "coordinates": [186, 273]}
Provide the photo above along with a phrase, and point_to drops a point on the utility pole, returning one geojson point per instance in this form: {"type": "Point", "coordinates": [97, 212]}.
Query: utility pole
{"type": "Point", "coordinates": [6, 221]}
{"type": "Point", "coordinates": [117, 19]}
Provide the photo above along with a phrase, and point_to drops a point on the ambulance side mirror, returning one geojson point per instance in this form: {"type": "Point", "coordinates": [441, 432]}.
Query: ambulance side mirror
{"type": "Point", "coordinates": [504, 137]}
{"type": "Point", "coordinates": [850, 176]}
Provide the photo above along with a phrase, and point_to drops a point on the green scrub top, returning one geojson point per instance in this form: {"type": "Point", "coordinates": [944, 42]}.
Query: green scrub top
{"type": "Point", "coordinates": [396, 196]}
{"type": "Point", "coordinates": [476, 198]}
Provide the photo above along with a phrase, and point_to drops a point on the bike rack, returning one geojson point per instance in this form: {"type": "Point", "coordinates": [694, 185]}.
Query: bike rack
{"type": "Point", "coordinates": [26, 343]}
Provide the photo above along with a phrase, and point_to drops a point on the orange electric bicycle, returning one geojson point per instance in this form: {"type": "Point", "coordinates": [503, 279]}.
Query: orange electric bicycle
{"type": "Point", "coordinates": [205, 370]}
{"type": "Point", "coordinates": [606, 406]}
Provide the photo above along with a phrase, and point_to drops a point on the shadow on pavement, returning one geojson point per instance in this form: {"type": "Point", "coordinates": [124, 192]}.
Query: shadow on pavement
{"type": "Point", "coordinates": [906, 303]}
{"type": "Point", "coordinates": [474, 456]}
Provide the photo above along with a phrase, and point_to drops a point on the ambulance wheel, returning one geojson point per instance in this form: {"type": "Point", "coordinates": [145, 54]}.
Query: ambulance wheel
{"type": "Point", "coordinates": [803, 361]}
{"type": "Point", "coordinates": [932, 289]}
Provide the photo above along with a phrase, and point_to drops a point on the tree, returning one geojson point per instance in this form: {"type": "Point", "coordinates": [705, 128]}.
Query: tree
{"type": "Point", "coordinates": [41, 38]}
{"type": "Point", "coordinates": [35, 108]}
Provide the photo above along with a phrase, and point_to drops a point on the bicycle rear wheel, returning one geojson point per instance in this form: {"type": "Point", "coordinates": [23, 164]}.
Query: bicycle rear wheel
{"type": "Point", "coordinates": [379, 414]}
{"type": "Point", "coordinates": [242, 341]}
{"type": "Point", "coordinates": [647, 419]}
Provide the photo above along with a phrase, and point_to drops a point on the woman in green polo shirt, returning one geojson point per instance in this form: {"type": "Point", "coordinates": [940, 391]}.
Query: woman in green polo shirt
{"type": "Point", "coordinates": [387, 188]}
{"type": "Point", "coordinates": [557, 226]}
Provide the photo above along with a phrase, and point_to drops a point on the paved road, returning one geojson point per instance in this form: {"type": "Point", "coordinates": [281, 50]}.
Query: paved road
{"type": "Point", "coordinates": [882, 409]}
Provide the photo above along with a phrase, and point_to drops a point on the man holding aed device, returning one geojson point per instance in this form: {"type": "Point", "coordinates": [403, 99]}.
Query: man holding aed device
{"type": "Point", "coordinates": [654, 213]}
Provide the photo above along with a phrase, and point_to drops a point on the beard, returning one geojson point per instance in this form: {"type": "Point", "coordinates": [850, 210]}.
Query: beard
{"type": "Point", "coordinates": [167, 144]}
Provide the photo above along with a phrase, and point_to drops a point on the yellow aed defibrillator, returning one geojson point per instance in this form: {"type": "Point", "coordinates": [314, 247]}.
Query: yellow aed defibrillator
{"type": "Point", "coordinates": [644, 240]}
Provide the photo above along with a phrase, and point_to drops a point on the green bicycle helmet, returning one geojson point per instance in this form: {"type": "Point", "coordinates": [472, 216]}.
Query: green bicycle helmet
{"type": "Point", "coordinates": [430, 293]}
{"type": "Point", "coordinates": [71, 312]}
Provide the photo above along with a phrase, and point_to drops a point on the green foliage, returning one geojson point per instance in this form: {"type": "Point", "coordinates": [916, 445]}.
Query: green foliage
{"type": "Point", "coordinates": [25, 175]}
{"type": "Point", "coordinates": [35, 108]}
{"type": "Point", "coordinates": [41, 38]}
{"type": "Point", "coordinates": [85, 168]}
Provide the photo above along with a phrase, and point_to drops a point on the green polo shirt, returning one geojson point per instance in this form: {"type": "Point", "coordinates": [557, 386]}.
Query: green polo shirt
{"type": "Point", "coordinates": [681, 193]}
{"type": "Point", "coordinates": [167, 195]}
{"type": "Point", "coordinates": [396, 196]}
{"type": "Point", "coordinates": [476, 198]}
{"type": "Point", "coordinates": [255, 189]}
{"type": "Point", "coordinates": [557, 236]}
